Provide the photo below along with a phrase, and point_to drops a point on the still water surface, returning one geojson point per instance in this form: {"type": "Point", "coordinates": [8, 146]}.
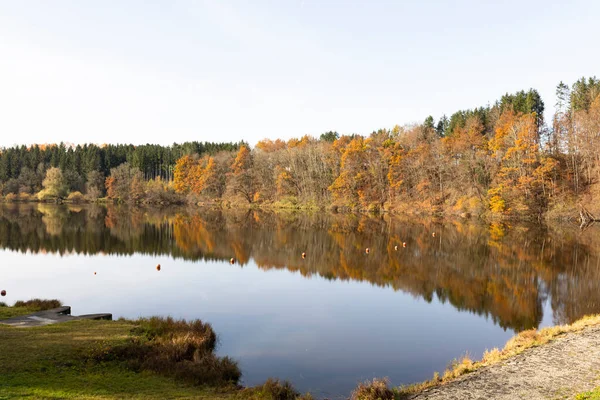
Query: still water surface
{"type": "Point", "coordinates": [325, 322]}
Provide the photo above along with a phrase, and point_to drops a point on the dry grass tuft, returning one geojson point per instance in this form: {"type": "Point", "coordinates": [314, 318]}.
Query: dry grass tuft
{"type": "Point", "coordinates": [176, 348]}
{"type": "Point", "coordinates": [278, 390]}
{"type": "Point", "coordinates": [522, 340]}
{"type": "Point", "coordinates": [377, 389]}
{"type": "Point", "coordinates": [519, 343]}
{"type": "Point", "coordinates": [458, 368]}
{"type": "Point", "coordinates": [492, 356]}
{"type": "Point", "coordinates": [27, 307]}
{"type": "Point", "coordinates": [38, 304]}
{"type": "Point", "coordinates": [273, 389]}
{"type": "Point", "coordinates": [178, 333]}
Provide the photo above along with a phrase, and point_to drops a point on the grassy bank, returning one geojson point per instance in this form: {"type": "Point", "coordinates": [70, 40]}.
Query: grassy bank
{"type": "Point", "coordinates": [156, 358]}
{"type": "Point", "coordinates": [151, 358]}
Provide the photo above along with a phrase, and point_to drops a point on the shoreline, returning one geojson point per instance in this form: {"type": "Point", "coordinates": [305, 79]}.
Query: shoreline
{"type": "Point", "coordinates": [466, 378]}
{"type": "Point", "coordinates": [558, 362]}
{"type": "Point", "coordinates": [515, 347]}
{"type": "Point", "coordinates": [570, 215]}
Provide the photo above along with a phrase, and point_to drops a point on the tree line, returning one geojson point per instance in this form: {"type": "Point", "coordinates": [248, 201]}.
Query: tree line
{"type": "Point", "coordinates": [503, 159]}
{"type": "Point", "coordinates": [84, 168]}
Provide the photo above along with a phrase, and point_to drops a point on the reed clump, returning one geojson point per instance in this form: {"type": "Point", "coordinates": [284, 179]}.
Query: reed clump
{"type": "Point", "coordinates": [176, 348]}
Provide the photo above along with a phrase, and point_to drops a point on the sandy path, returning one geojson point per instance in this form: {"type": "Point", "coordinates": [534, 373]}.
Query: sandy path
{"type": "Point", "coordinates": [557, 370]}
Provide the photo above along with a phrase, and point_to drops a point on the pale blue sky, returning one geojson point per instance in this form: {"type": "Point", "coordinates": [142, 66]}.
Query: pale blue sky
{"type": "Point", "coordinates": [165, 71]}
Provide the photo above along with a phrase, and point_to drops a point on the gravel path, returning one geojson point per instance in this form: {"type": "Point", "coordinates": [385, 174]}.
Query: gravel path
{"type": "Point", "coordinates": [557, 370]}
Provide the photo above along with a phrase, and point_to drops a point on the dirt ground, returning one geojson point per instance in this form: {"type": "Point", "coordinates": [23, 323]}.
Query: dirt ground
{"type": "Point", "coordinates": [557, 370]}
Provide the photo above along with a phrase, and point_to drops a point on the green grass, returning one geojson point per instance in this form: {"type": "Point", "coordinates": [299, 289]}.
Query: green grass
{"type": "Point", "coordinates": [50, 362]}
{"type": "Point", "coordinates": [593, 395]}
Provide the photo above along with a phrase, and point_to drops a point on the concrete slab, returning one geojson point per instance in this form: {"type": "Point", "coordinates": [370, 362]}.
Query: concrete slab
{"type": "Point", "coordinates": [48, 317]}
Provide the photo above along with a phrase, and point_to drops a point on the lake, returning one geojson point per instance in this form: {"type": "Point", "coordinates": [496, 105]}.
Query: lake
{"type": "Point", "coordinates": [326, 321]}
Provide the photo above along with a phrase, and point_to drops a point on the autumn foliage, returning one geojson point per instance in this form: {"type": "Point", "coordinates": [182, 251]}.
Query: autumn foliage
{"type": "Point", "coordinates": [501, 160]}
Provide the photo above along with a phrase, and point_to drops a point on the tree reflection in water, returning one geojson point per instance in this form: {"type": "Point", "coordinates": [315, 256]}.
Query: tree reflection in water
{"type": "Point", "coordinates": [501, 270]}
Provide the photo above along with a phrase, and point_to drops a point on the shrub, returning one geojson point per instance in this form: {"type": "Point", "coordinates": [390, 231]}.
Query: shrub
{"type": "Point", "coordinates": [24, 197]}
{"type": "Point", "coordinates": [76, 197]}
{"type": "Point", "coordinates": [44, 195]}
{"type": "Point", "coordinates": [10, 198]}
{"type": "Point", "coordinates": [93, 194]}
{"type": "Point", "coordinates": [377, 389]}
{"type": "Point", "coordinates": [159, 192]}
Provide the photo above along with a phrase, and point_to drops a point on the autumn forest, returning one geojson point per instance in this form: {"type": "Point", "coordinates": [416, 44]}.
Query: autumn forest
{"type": "Point", "coordinates": [498, 160]}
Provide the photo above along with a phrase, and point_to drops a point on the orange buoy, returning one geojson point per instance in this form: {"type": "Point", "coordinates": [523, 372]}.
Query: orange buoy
{"type": "Point", "coordinates": [396, 247]}
{"type": "Point", "coordinates": [3, 293]}
{"type": "Point", "coordinates": [303, 255]}
{"type": "Point", "coordinates": [433, 234]}
{"type": "Point", "coordinates": [94, 273]}
{"type": "Point", "coordinates": [367, 250]}
{"type": "Point", "coordinates": [232, 261]}
{"type": "Point", "coordinates": [403, 244]}
{"type": "Point", "coordinates": [158, 267]}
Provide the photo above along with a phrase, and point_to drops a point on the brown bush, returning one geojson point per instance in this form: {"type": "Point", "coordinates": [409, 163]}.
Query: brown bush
{"type": "Point", "coordinates": [10, 198]}
{"type": "Point", "coordinates": [76, 197]}
{"type": "Point", "coordinates": [24, 197]}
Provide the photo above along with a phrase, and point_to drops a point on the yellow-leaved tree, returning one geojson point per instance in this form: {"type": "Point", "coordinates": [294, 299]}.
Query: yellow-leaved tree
{"type": "Point", "coordinates": [517, 188]}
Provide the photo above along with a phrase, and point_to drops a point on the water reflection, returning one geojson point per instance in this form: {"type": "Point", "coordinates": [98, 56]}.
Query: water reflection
{"type": "Point", "coordinates": [499, 270]}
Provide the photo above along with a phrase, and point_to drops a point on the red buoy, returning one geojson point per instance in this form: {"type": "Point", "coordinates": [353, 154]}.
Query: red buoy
{"type": "Point", "coordinates": [3, 293]}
